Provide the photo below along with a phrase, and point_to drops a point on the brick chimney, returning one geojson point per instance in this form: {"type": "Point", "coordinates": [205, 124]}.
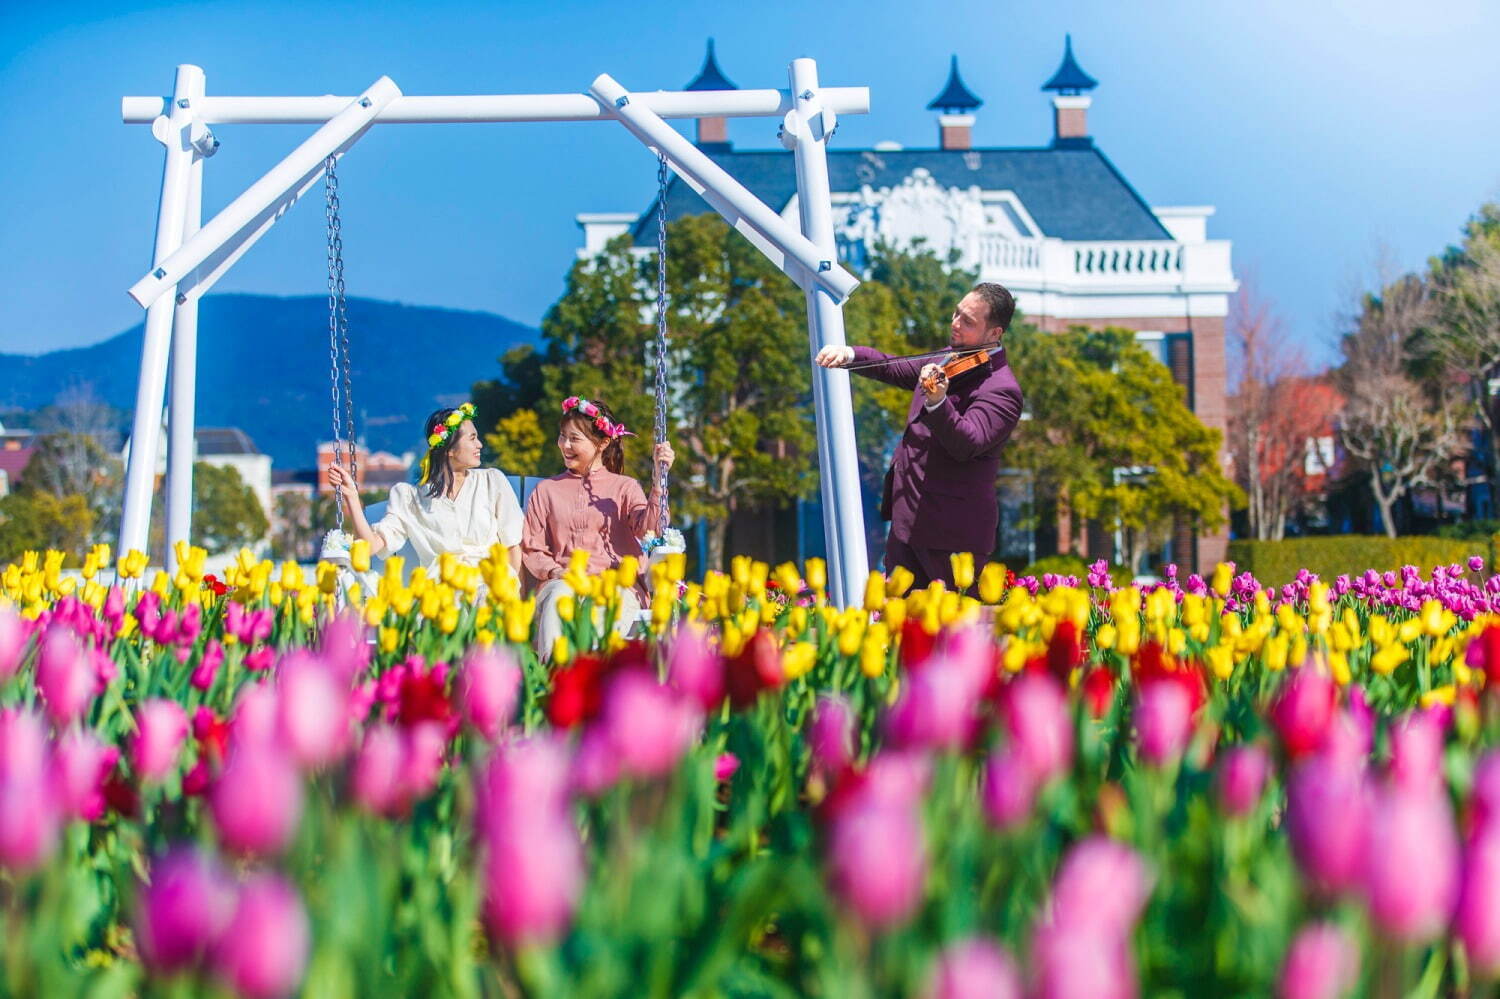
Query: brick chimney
{"type": "Point", "coordinates": [1070, 117]}
{"type": "Point", "coordinates": [713, 133]}
{"type": "Point", "coordinates": [955, 107]}
{"type": "Point", "coordinates": [1070, 103]}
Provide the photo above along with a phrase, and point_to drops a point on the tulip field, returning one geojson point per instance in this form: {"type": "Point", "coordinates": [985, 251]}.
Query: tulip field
{"type": "Point", "coordinates": [275, 782]}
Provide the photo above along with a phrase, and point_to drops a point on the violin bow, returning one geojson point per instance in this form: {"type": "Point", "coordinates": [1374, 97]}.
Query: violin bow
{"type": "Point", "coordinates": [963, 352]}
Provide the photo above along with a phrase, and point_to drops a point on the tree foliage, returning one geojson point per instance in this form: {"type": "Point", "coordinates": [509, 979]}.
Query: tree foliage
{"type": "Point", "coordinates": [34, 520]}
{"type": "Point", "coordinates": [226, 513]}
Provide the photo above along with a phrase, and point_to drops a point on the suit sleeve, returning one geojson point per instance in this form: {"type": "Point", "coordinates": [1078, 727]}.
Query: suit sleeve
{"type": "Point", "coordinates": [984, 426]}
{"type": "Point", "coordinates": [900, 372]}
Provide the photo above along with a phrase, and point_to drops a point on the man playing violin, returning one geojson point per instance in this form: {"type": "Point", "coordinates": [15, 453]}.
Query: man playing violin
{"type": "Point", "coordinates": [940, 488]}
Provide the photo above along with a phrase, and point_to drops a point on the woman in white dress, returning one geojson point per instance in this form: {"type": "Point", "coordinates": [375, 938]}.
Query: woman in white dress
{"type": "Point", "coordinates": [455, 507]}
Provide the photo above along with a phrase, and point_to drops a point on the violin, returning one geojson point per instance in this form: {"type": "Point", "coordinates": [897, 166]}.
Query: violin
{"type": "Point", "coordinates": [955, 366]}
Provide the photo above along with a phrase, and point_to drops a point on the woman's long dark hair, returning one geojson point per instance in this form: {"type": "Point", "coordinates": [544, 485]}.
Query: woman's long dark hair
{"type": "Point", "coordinates": [614, 452]}
{"type": "Point", "coordinates": [439, 475]}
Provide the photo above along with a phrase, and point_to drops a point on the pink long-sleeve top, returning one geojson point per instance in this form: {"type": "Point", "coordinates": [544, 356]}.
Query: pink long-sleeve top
{"type": "Point", "coordinates": [602, 513]}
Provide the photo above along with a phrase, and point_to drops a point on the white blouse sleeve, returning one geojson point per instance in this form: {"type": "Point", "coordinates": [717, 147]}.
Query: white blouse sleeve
{"type": "Point", "coordinates": [392, 527]}
{"type": "Point", "coordinates": [508, 517]}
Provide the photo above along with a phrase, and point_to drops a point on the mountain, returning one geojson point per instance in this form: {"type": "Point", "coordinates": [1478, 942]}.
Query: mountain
{"type": "Point", "coordinates": [263, 367]}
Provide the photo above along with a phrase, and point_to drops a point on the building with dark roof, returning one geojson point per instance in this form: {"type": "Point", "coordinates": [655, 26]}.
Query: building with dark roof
{"type": "Point", "coordinates": [1058, 224]}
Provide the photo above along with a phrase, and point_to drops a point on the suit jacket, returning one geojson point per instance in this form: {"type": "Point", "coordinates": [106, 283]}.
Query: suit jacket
{"type": "Point", "coordinates": [940, 489]}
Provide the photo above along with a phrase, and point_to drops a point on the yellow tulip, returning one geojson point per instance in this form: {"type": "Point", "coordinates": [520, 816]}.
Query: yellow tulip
{"type": "Point", "coordinates": [874, 650]}
{"type": "Point", "coordinates": [899, 581]}
{"type": "Point", "coordinates": [962, 564]}
{"type": "Point", "coordinates": [874, 592]}
{"type": "Point", "coordinates": [851, 634]}
{"type": "Point", "coordinates": [1221, 661]}
{"type": "Point", "coordinates": [518, 615]}
{"type": "Point", "coordinates": [1388, 658]}
{"type": "Point", "coordinates": [389, 639]}
{"type": "Point", "coordinates": [796, 621]}
{"type": "Point", "coordinates": [1277, 648]}
{"type": "Point", "coordinates": [895, 614]}
{"type": "Point", "coordinates": [992, 583]}
{"type": "Point", "coordinates": [1105, 637]}
{"type": "Point", "coordinates": [562, 652]}
{"type": "Point", "coordinates": [1222, 578]}
{"type": "Point", "coordinates": [817, 574]}
{"type": "Point", "coordinates": [629, 572]}
{"type": "Point", "coordinates": [1338, 666]}
{"type": "Point", "coordinates": [798, 659]}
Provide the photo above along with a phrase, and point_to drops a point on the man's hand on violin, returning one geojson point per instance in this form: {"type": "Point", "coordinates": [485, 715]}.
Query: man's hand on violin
{"type": "Point", "coordinates": [934, 384]}
{"type": "Point", "coordinates": [834, 357]}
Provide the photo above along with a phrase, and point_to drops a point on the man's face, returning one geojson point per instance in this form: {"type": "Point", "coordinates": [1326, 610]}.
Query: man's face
{"type": "Point", "coordinates": [971, 323]}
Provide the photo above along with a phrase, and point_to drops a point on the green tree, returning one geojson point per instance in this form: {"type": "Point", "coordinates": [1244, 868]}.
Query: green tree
{"type": "Point", "coordinates": [226, 513]}
{"type": "Point", "coordinates": [71, 463]}
{"type": "Point", "coordinates": [32, 520]}
{"type": "Point", "coordinates": [512, 406]}
{"type": "Point", "coordinates": [1111, 436]}
{"type": "Point", "coordinates": [520, 444]}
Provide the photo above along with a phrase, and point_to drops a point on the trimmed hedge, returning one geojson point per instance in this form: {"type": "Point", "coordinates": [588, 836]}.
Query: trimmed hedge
{"type": "Point", "coordinates": [1277, 562]}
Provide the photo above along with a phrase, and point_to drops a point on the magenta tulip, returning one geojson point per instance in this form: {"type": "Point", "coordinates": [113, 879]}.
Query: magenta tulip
{"type": "Point", "coordinates": [255, 716]}
{"type": "Point", "coordinates": [1417, 752]}
{"type": "Point", "coordinates": [1328, 808]}
{"type": "Point", "coordinates": [312, 710]}
{"type": "Point", "coordinates": [1322, 963]}
{"type": "Point", "coordinates": [1037, 717]}
{"type": "Point", "coordinates": [64, 675]}
{"type": "Point", "coordinates": [533, 878]}
{"type": "Point", "coordinates": [877, 863]}
{"type": "Point", "coordinates": [182, 910]}
{"type": "Point", "coordinates": [1242, 777]}
{"type": "Point", "coordinates": [80, 766]}
{"type": "Point", "coordinates": [257, 800]}
{"type": "Point", "coordinates": [528, 777]}
{"type": "Point", "coordinates": [263, 953]}
{"type": "Point", "coordinates": [650, 725]}
{"type": "Point", "coordinates": [974, 969]}
{"type": "Point", "coordinates": [726, 765]}
{"type": "Point", "coordinates": [1484, 797]}
{"type": "Point", "coordinates": [342, 646]}
{"type": "Point", "coordinates": [1008, 789]}
{"type": "Point", "coordinates": [14, 634]}
{"type": "Point", "coordinates": [1412, 863]}
{"type": "Point", "coordinates": [23, 745]}
{"type": "Point", "coordinates": [489, 685]}
{"type": "Point", "coordinates": [935, 709]}
{"type": "Point", "coordinates": [29, 822]}
{"type": "Point", "coordinates": [1304, 710]}
{"type": "Point", "coordinates": [1101, 883]}
{"type": "Point", "coordinates": [161, 729]}
{"type": "Point", "coordinates": [1163, 721]}
{"type": "Point", "coordinates": [596, 767]}
{"type": "Point", "coordinates": [694, 667]}
{"type": "Point", "coordinates": [1081, 962]}
{"type": "Point", "coordinates": [376, 780]}
{"type": "Point", "coordinates": [424, 748]}
{"type": "Point", "coordinates": [1476, 920]}
{"type": "Point", "coordinates": [830, 735]}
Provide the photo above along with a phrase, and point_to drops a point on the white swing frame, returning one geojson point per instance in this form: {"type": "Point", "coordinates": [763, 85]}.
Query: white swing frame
{"type": "Point", "coordinates": [191, 255]}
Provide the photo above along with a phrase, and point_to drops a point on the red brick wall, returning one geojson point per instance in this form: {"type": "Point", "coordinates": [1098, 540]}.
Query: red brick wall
{"type": "Point", "coordinates": [1071, 123]}
{"type": "Point", "coordinates": [955, 137]}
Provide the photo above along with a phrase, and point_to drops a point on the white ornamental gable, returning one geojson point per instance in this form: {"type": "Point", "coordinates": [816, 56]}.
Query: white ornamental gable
{"type": "Point", "coordinates": [918, 208]}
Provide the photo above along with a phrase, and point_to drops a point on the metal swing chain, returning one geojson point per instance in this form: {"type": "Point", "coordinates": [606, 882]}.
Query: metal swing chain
{"type": "Point", "coordinates": [661, 332]}
{"type": "Point", "coordinates": [338, 331]}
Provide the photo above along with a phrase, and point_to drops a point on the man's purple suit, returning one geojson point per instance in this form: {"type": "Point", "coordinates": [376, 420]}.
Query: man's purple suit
{"type": "Point", "coordinates": [940, 489]}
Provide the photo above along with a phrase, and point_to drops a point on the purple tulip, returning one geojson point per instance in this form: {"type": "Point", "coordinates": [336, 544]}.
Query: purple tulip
{"type": "Point", "coordinates": [649, 725]}
{"type": "Point", "coordinates": [1412, 861]}
{"type": "Point", "coordinates": [595, 767]}
{"type": "Point", "coordinates": [830, 735]}
{"type": "Point", "coordinates": [1476, 564]}
{"type": "Point", "coordinates": [1328, 808]}
{"type": "Point", "coordinates": [64, 675]}
{"type": "Point", "coordinates": [1322, 963]}
{"type": "Point", "coordinates": [693, 667]}
{"type": "Point", "coordinates": [257, 800]}
{"type": "Point", "coordinates": [974, 969]}
{"type": "Point", "coordinates": [489, 685]}
{"type": "Point", "coordinates": [1102, 883]}
{"type": "Point", "coordinates": [1008, 789]}
{"type": "Point", "coordinates": [1036, 715]}
{"type": "Point", "coordinates": [1163, 721]}
{"type": "Point", "coordinates": [263, 953]}
{"type": "Point", "coordinates": [1081, 962]}
{"type": "Point", "coordinates": [1476, 920]}
{"type": "Point", "coordinates": [1242, 777]}
{"type": "Point", "coordinates": [533, 878]}
{"type": "Point", "coordinates": [312, 710]}
{"type": "Point", "coordinates": [14, 634]}
{"type": "Point", "coordinates": [161, 728]}
{"type": "Point", "coordinates": [80, 765]}
{"type": "Point", "coordinates": [182, 911]}
{"type": "Point", "coordinates": [877, 863]}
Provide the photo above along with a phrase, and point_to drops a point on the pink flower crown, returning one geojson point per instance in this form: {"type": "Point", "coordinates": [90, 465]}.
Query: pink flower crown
{"type": "Point", "coordinates": [602, 423]}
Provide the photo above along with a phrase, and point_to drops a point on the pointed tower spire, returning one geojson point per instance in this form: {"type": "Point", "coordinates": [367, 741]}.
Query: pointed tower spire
{"type": "Point", "coordinates": [713, 133]}
{"type": "Point", "coordinates": [1070, 103]}
{"type": "Point", "coordinates": [955, 107]}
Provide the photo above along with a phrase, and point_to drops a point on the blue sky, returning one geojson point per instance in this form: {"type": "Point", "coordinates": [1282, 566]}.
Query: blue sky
{"type": "Point", "coordinates": [1319, 128]}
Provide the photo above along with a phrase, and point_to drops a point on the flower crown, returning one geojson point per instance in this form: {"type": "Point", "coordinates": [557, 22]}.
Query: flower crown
{"type": "Point", "coordinates": [606, 426]}
{"type": "Point", "coordinates": [438, 433]}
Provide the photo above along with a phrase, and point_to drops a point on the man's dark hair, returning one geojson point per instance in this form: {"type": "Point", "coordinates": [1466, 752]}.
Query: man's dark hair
{"type": "Point", "coordinates": [1002, 304]}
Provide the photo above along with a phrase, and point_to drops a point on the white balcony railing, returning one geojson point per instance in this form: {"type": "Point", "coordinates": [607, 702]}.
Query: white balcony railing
{"type": "Point", "coordinates": [1156, 257]}
{"type": "Point", "coordinates": [1104, 266]}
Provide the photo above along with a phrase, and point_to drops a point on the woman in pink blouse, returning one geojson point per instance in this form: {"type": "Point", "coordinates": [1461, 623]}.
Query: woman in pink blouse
{"type": "Point", "coordinates": [590, 507]}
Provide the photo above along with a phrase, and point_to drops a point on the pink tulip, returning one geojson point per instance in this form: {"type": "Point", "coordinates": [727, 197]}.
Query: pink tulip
{"type": "Point", "coordinates": [1081, 962]}
{"type": "Point", "coordinates": [694, 667]}
{"type": "Point", "coordinates": [1242, 777]}
{"type": "Point", "coordinates": [14, 634]}
{"type": "Point", "coordinates": [973, 653]}
{"type": "Point", "coordinates": [1304, 710]}
{"type": "Point", "coordinates": [23, 745]}
{"type": "Point", "coordinates": [208, 666]}
{"type": "Point", "coordinates": [596, 767]}
{"type": "Point", "coordinates": [726, 765]}
{"type": "Point", "coordinates": [1485, 795]}
{"type": "Point", "coordinates": [1476, 920]}
{"type": "Point", "coordinates": [183, 909]}
{"type": "Point", "coordinates": [533, 877]}
{"type": "Point", "coordinates": [1101, 883]}
{"type": "Point", "coordinates": [935, 709]}
{"type": "Point", "coordinates": [526, 777]}
{"type": "Point", "coordinates": [649, 725]}
{"type": "Point", "coordinates": [830, 735]}
{"type": "Point", "coordinates": [312, 716]}
{"type": "Point", "coordinates": [64, 675]}
{"type": "Point", "coordinates": [1036, 714]}
{"type": "Point", "coordinates": [974, 969]}
{"type": "Point", "coordinates": [263, 953]}
{"type": "Point", "coordinates": [342, 646]}
{"type": "Point", "coordinates": [255, 716]}
{"type": "Point", "coordinates": [1417, 752]}
{"type": "Point", "coordinates": [422, 759]}
{"type": "Point", "coordinates": [257, 800]}
{"type": "Point", "coordinates": [161, 728]}
{"type": "Point", "coordinates": [1009, 789]}
{"type": "Point", "coordinates": [1322, 963]}
{"type": "Point", "coordinates": [28, 823]}
{"type": "Point", "coordinates": [1411, 872]}
{"type": "Point", "coordinates": [1163, 721]}
{"type": "Point", "coordinates": [877, 863]}
{"type": "Point", "coordinates": [1328, 808]}
{"type": "Point", "coordinates": [376, 781]}
{"type": "Point", "coordinates": [80, 766]}
{"type": "Point", "coordinates": [489, 685]}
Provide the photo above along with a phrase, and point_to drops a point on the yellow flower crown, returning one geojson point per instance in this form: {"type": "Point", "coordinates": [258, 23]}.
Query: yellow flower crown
{"type": "Point", "coordinates": [438, 433]}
